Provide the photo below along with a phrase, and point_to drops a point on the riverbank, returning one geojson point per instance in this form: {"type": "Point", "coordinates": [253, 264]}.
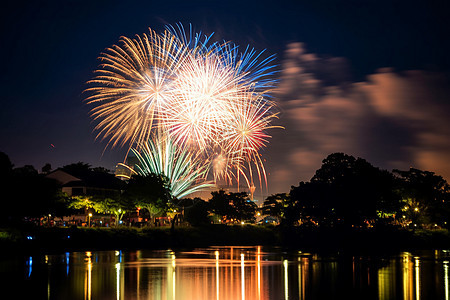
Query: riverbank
{"type": "Point", "coordinates": [43, 239]}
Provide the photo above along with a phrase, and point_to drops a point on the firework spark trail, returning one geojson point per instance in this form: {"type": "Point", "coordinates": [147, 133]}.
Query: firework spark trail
{"type": "Point", "coordinates": [205, 97]}
{"type": "Point", "coordinates": [184, 169]}
{"type": "Point", "coordinates": [132, 86]}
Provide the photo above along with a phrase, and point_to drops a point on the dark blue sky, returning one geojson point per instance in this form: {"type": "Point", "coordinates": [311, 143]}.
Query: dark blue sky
{"type": "Point", "coordinates": [50, 49]}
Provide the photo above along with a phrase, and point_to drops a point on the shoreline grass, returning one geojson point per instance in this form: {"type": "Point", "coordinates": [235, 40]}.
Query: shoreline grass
{"type": "Point", "coordinates": [53, 239]}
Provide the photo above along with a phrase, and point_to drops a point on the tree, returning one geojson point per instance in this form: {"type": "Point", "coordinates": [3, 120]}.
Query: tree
{"type": "Point", "coordinates": [27, 170]}
{"type": "Point", "coordinates": [349, 190]}
{"type": "Point", "coordinates": [79, 169]}
{"type": "Point", "coordinates": [197, 213]}
{"type": "Point", "coordinates": [27, 193]}
{"type": "Point", "coordinates": [244, 208]}
{"type": "Point", "coordinates": [30, 194]}
{"type": "Point", "coordinates": [6, 166]}
{"type": "Point", "coordinates": [311, 202]}
{"type": "Point", "coordinates": [117, 206]}
{"type": "Point", "coordinates": [275, 205]}
{"type": "Point", "coordinates": [220, 205]}
{"type": "Point", "coordinates": [81, 202]}
{"type": "Point", "coordinates": [236, 206]}
{"type": "Point", "coordinates": [150, 192]}
{"type": "Point", "coordinates": [46, 168]}
{"type": "Point", "coordinates": [6, 185]}
{"type": "Point", "coordinates": [425, 196]}
{"type": "Point", "coordinates": [101, 170]}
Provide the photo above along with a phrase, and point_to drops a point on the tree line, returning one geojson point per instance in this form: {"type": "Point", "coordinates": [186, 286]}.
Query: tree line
{"type": "Point", "coordinates": [350, 191]}
{"type": "Point", "coordinates": [344, 191]}
{"type": "Point", "coordinates": [30, 195]}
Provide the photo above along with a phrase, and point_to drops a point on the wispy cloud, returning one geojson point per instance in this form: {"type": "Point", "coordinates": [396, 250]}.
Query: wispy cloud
{"type": "Point", "coordinates": [394, 120]}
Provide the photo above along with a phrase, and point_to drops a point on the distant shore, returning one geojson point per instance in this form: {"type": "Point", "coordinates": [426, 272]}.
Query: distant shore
{"type": "Point", "coordinates": [43, 239]}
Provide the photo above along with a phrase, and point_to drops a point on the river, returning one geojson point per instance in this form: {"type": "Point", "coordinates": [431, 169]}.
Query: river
{"type": "Point", "coordinates": [226, 273]}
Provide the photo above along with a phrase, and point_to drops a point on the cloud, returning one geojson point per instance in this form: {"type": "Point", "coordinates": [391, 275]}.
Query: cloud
{"type": "Point", "coordinates": [417, 100]}
{"type": "Point", "coordinates": [393, 120]}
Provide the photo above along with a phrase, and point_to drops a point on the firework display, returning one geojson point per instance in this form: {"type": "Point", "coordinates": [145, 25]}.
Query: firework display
{"type": "Point", "coordinates": [183, 168]}
{"type": "Point", "coordinates": [205, 103]}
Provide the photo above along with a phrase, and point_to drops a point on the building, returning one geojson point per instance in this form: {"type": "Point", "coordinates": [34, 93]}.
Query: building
{"type": "Point", "coordinates": [88, 182]}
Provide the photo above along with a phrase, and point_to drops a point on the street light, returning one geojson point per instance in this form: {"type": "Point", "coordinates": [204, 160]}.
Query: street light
{"type": "Point", "coordinates": [90, 215]}
{"type": "Point", "coordinates": [118, 221]}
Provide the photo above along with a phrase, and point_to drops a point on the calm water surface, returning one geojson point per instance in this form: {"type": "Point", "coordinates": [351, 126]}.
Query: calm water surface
{"type": "Point", "coordinates": [226, 273]}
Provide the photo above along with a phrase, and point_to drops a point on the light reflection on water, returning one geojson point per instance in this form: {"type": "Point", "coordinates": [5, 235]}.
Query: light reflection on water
{"type": "Point", "coordinates": [229, 273]}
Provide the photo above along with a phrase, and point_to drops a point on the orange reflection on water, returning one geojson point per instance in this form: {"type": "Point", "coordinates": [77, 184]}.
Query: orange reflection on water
{"type": "Point", "coordinates": [446, 280]}
{"type": "Point", "coordinates": [408, 284]}
{"type": "Point", "coordinates": [233, 273]}
{"type": "Point", "coordinates": [410, 278]}
{"type": "Point", "coordinates": [225, 274]}
{"type": "Point", "coordinates": [88, 280]}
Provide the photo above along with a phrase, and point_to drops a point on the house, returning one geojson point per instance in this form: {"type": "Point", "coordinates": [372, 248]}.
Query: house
{"type": "Point", "coordinates": [88, 182]}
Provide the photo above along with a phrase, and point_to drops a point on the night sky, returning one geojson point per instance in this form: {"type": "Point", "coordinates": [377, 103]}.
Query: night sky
{"type": "Point", "coordinates": [368, 78]}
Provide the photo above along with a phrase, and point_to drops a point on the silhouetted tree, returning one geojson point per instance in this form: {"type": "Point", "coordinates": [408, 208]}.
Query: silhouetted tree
{"type": "Point", "coordinates": [79, 169]}
{"type": "Point", "coordinates": [235, 206]}
{"type": "Point", "coordinates": [312, 202]}
{"type": "Point", "coordinates": [349, 190]}
{"type": "Point", "coordinates": [220, 204]}
{"type": "Point", "coordinates": [101, 170]}
{"type": "Point", "coordinates": [197, 213]}
{"type": "Point", "coordinates": [7, 202]}
{"type": "Point", "coordinates": [30, 194]}
{"type": "Point", "coordinates": [47, 168]}
{"type": "Point", "coordinates": [425, 196]}
{"type": "Point", "coordinates": [275, 205]}
{"type": "Point", "coordinates": [27, 170]}
{"type": "Point", "coordinates": [244, 208]}
{"type": "Point", "coordinates": [151, 192]}
{"type": "Point", "coordinates": [6, 166]}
